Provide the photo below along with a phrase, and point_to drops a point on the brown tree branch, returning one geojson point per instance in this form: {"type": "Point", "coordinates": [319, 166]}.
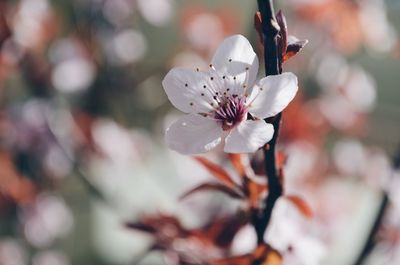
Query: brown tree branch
{"type": "Point", "coordinates": [270, 30]}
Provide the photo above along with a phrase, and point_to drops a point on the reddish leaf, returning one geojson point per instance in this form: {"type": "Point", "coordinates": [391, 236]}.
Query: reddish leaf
{"type": "Point", "coordinates": [214, 187]}
{"type": "Point", "coordinates": [222, 230]}
{"type": "Point", "coordinates": [141, 227]}
{"type": "Point", "coordinates": [283, 33]}
{"type": "Point", "coordinates": [13, 185]}
{"type": "Point", "coordinates": [256, 192]}
{"type": "Point", "coordinates": [217, 171]}
{"type": "Point", "coordinates": [258, 26]}
{"type": "Point", "coordinates": [301, 204]}
{"type": "Point", "coordinates": [237, 162]}
{"type": "Point", "coordinates": [238, 260]}
{"type": "Point", "coordinates": [281, 159]}
{"type": "Point", "coordinates": [294, 48]}
{"type": "Point", "coordinates": [263, 255]}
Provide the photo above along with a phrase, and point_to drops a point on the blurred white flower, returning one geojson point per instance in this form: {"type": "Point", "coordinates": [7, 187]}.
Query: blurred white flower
{"type": "Point", "coordinates": [156, 12]}
{"type": "Point", "coordinates": [73, 70]}
{"type": "Point", "coordinates": [379, 34]}
{"type": "Point", "coordinates": [219, 100]}
{"type": "Point", "coordinates": [73, 75]}
{"type": "Point", "coordinates": [129, 46]}
{"type": "Point", "coordinates": [49, 219]}
{"type": "Point", "coordinates": [204, 30]}
{"type": "Point", "coordinates": [28, 27]}
{"type": "Point", "coordinates": [349, 91]}
{"type": "Point", "coordinates": [356, 160]}
{"type": "Point", "coordinates": [117, 11]}
{"type": "Point", "coordinates": [12, 252]}
{"type": "Point", "coordinates": [288, 235]}
{"type": "Point", "coordinates": [349, 157]}
{"type": "Point", "coordinates": [245, 241]}
{"type": "Point", "coordinates": [50, 257]}
{"type": "Point", "coordinates": [188, 59]}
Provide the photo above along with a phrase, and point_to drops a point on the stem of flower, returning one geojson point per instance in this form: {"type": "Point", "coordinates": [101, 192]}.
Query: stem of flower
{"type": "Point", "coordinates": [270, 30]}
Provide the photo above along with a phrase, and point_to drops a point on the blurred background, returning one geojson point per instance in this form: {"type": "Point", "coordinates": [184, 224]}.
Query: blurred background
{"type": "Point", "coordinates": [83, 113]}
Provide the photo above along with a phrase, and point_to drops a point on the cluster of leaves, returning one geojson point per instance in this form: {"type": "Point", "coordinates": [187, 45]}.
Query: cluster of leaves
{"type": "Point", "coordinates": [218, 235]}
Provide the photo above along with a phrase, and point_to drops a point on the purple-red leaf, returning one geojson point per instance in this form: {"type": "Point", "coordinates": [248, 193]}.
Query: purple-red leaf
{"type": "Point", "coordinates": [263, 255]}
{"type": "Point", "coordinates": [301, 205]}
{"type": "Point", "coordinates": [214, 187]}
{"type": "Point", "coordinates": [238, 164]}
{"type": "Point", "coordinates": [217, 172]}
{"type": "Point", "coordinates": [283, 33]}
{"type": "Point", "coordinates": [293, 48]}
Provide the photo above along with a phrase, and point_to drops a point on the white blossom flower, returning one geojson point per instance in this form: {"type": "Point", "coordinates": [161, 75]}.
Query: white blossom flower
{"type": "Point", "coordinates": [226, 102]}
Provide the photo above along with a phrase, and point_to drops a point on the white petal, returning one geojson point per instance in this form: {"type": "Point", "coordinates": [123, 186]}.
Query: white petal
{"type": "Point", "coordinates": [272, 94]}
{"type": "Point", "coordinates": [193, 134]}
{"type": "Point", "coordinates": [190, 91]}
{"type": "Point", "coordinates": [236, 59]}
{"type": "Point", "coordinates": [248, 136]}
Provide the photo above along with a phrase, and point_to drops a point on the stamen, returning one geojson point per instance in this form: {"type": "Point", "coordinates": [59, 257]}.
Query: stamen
{"type": "Point", "coordinates": [232, 111]}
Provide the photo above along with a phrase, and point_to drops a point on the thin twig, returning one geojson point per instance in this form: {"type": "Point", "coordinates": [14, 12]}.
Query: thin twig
{"type": "Point", "coordinates": [371, 240]}
{"type": "Point", "coordinates": [270, 30]}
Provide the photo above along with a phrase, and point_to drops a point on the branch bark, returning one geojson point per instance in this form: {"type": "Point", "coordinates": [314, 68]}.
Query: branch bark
{"type": "Point", "coordinates": [270, 30]}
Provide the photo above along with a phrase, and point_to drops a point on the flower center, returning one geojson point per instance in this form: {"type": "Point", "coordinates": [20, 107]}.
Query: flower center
{"type": "Point", "coordinates": [231, 111]}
